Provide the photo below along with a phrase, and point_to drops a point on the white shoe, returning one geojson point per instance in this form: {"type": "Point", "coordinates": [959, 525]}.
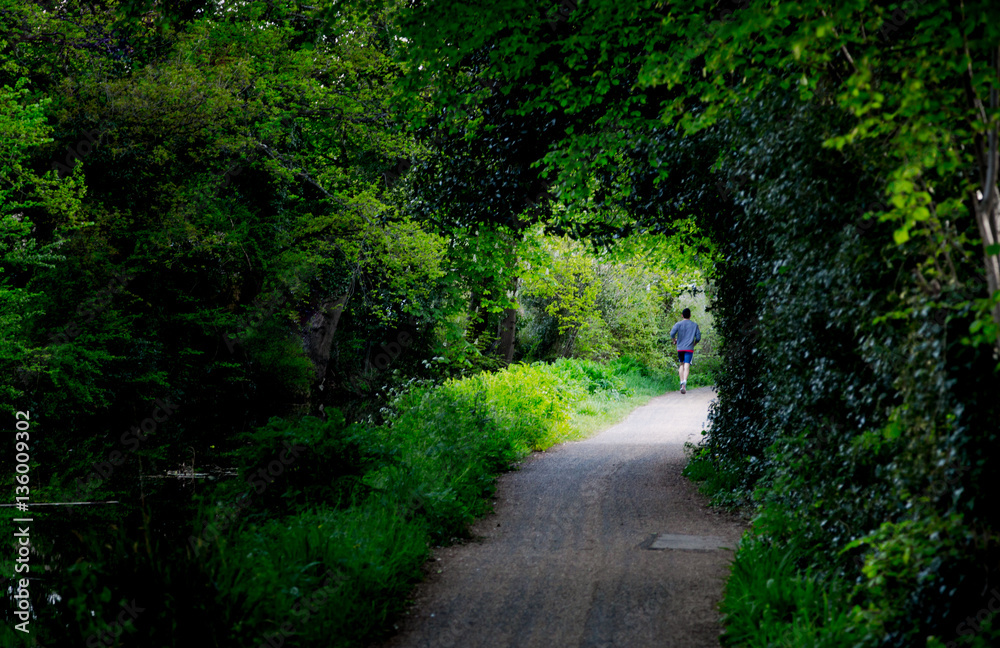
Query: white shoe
{"type": "Point", "coordinates": [683, 389]}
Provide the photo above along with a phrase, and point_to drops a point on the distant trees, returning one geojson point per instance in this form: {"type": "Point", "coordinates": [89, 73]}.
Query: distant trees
{"type": "Point", "coordinates": [601, 306]}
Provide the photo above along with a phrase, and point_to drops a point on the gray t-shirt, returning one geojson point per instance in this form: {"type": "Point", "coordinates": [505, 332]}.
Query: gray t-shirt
{"type": "Point", "coordinates": [687, 333]}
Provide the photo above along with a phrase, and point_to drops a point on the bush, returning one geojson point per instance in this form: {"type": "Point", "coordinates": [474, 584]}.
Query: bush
{"type": "Point", "coordinates": [335, 541]}
{"type": "Point", "coordinates": [594, 376]}
{"type": "Point", "coordinates": [530, 402]}
{"type": "Point", "coordinates": [335, 576]}
{"type": "Point", "coordinates": [854, 409]}
{"type": "Point", "coordinates": [719, 479]}
{"type": "Point", "coordinates": [305, 462]}
{"type": "Point", "coordinates": [445, 450]}
{"type": "Point", "coordinates": [368, 501]}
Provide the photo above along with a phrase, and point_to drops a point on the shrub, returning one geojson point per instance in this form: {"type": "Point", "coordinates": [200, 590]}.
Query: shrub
{"type": "Point", "coordinates": [335, 576]}
{"type": "Point", "coordinates": [304, 462]}
{"type": "Point", "coordinates": [529, 401]}
{"type": "Point", "coordinates": [594, 376]}
{"type": "Point", "coordinates": [369, 500]}
{"type": "Point", "coordinates": [445, 450]}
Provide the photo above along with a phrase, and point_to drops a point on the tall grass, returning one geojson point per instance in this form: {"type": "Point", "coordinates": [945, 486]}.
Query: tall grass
{"type": "Point", "coordinates": [321, 539]}
{"type": "Point", "coordinates": [770, 602]}
{"type": "Point", "coordinates": [422, 478]}
{"type": "Point", "coordinates": [720, 482]}
{"type": "Point", "coordinates": [322, 577]}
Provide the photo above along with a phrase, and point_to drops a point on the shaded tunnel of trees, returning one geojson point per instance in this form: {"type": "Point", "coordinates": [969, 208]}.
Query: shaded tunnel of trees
{"type": "Point", "coordinates": [228, 227]}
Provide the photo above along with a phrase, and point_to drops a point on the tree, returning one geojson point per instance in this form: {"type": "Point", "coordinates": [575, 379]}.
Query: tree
{"type": "Point", "coordinates": [843, 160]}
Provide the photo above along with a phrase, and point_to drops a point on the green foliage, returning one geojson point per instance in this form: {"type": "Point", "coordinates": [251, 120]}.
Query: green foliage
{"type": "Point", "coordinates": [616, 392]}
{"type": "Point", "coordinates": [334, 575]}
{"type": "Point", "coordinates": [99, 568]}
{"type": "Point", "coordinates": [568, 284]}
{"type": "Point", "coordinates": [719, 480]}
{"type": "Point", "coordinates": [769, 601]}
{"type": "Point", "coordinates": [23, 129]}
{"type": "Point", "coordinates": [234, 171]}
{"type": "Point", "coordinates": [429, 472]}
{"type": "Point", "coordinates": [232, 163]}
{"type": "Point", "coordinates": [445, 451]}
{"type": "Point", "coordinates": [910, 566]}
{"type": "Point", "coordinates": [608, 378]}
{"type": "Point", "coordinates": [601, 305]}
{"type": "Point", "coordinates": [529, 402]}
{"type": "Point", "coordinates": [295, 464]}
{"type": "Point", "coordinates": [276, 362]}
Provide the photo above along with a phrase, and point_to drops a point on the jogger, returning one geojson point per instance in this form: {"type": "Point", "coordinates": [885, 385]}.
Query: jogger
{"type": "Point", "coordinates": [685, 335]}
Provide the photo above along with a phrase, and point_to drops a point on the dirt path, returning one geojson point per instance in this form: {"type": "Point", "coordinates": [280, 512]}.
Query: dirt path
{"type": "Point", "coordinates": [568, 558]}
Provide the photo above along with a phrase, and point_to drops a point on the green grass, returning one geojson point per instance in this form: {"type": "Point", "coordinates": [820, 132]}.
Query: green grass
{"type": "Point", "coordinates": [720, 483]}
{"type": "Point", "coordinates": [596, 412]}
{"type": "Point", "coordinates": [337, 576]}
{"type": "Point", "coordinates": [770, 603]}
{"type": "Point", "coordinates": [334, 540]}
{"type": "Point", "coordinates": [702, 372]}
{"type": "Point", "coordinates": [424, 477]}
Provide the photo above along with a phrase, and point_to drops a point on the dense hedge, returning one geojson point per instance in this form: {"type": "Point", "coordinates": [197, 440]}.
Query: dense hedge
{"type": "Point", "coordinates": [853, 412]}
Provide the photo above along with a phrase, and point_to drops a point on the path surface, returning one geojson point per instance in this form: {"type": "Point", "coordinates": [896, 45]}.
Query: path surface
{"type": "Point", "coordinates": [566, 560]}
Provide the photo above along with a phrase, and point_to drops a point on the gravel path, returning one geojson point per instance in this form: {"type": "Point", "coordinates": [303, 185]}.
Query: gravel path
{"type": "Point", "coordinates": [568, 558]}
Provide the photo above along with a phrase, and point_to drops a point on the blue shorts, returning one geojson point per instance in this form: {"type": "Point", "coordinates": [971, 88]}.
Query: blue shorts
{"type": "Point", "coordinates": [685, 356]}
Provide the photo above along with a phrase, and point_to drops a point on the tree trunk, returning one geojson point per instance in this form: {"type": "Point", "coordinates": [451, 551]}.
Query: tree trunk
{"type": "Point", "coordinates": [567, 347]}
{"type": "Point", "coordinates": [507, 331]}
{"type": "Point", "coordinates": [480, 319]}
{"type": "Point", "coordinates": [988, 220]}
{"type": "Point", "coordinates": [986, 200]}
{"type": "Point", "coordinates": [507, 334]}
{"type": "Point", "coordinates": [319, 331]}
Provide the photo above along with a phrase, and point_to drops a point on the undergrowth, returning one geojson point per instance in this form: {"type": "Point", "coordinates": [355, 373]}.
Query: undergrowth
{"type": "Point", "coordinates": [715, 479]}
{"type": "Point", "coordinates": [321, 538]}
{"type": "Point", "coordinates": [339, 572]}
